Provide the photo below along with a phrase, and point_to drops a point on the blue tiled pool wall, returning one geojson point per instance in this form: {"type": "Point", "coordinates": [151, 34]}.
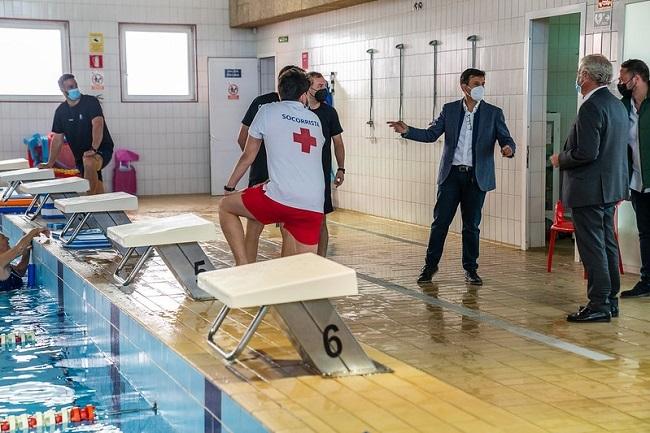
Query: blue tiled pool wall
{"type": "Point", "coordinates": [185, 398]}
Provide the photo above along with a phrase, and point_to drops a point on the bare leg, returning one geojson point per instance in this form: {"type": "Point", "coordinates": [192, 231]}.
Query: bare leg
{"type": "Point", "coordinates": [230, 209]}
{"type": "Point", "coordinates": [295, 247]}
{"type": "Point", "coordinates": [252, 239]}
{"type": "Point", "coordinates": [287, 242]}
{"type": "Point", "coordinates": [90, 173]}
{"type": "Point", "coordinates": [323, 242]}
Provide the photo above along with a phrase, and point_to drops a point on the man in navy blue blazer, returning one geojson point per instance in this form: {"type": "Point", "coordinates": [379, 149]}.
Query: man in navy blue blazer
{"type": "Point", "coordinates": [471, 127]}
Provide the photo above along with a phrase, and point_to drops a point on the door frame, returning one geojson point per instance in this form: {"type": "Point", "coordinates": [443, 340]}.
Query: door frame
{"type": "Point", "coordinates": [530, 17]}
{"type": "Point", "coordinates": [207, 68]}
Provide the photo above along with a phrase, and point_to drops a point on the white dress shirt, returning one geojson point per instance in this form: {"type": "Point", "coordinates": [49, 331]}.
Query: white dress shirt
{"type": "Point", "coordinates": [463, 154]}
{"type": "Point", "coordinates": [588, 95]}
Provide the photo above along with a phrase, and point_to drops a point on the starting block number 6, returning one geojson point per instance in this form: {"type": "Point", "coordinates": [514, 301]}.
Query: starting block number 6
{"type": "Point", "coordinates": [333, 344]}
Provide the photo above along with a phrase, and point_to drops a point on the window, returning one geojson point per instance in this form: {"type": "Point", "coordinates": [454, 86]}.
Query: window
{"type": "Point", "coordinates": [636, 17]}
{"type": "Point", "coordinates": [34, 55]}
{"type": "Point", "coordinates": [158, 62]}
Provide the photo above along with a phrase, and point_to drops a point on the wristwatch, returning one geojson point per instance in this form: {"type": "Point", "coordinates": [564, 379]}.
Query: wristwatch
{"type": "Point", "coordinates": [341, 169]}
{"type": "Point", "coordinates": [228, 188]}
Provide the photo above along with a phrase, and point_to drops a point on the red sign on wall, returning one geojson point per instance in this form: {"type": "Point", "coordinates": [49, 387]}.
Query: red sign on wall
{"type": "Point", "coordinates": [604, 4]}
{"type": "Point", "coordinates": [305, 60]}
{"type": "Point", "coordinates": [96, 61]}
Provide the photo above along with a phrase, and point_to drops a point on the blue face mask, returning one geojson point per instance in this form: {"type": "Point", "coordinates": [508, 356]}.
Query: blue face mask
{"type": "Point", "coordinates": [74, 94]}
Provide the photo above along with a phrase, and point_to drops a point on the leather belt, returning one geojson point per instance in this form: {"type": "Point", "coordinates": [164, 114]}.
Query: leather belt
{"type": "Point", "coordinates": [463, 168]}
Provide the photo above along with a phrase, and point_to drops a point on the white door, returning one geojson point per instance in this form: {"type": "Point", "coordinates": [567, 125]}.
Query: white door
{"type": "Point", "coordinates": [233, 83]}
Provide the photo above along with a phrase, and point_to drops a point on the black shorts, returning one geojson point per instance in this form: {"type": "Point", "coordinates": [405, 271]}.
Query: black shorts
{"type": "Point", "coordinates": [328, 208]}
{"type": "Point", "coordinates": [106, 159]}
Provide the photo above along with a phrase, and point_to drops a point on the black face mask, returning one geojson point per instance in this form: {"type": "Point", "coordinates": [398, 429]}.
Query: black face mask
{"type": "Point", "coordinates": [320, 95]}
{"type": "Point", "coordinates": [623, 90]}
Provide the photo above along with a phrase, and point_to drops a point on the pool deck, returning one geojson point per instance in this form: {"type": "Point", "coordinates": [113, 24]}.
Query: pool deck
{"type": "Point", "coordinates": [498, 358]}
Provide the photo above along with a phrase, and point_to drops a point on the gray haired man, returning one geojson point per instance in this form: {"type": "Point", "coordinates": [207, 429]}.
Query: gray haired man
{"type": "Point", "coordinates": [595, 178]}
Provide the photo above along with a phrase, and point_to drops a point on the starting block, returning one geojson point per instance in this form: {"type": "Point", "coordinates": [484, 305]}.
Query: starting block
{"type": "Point", "coordinates": [176, 240]}
{"type": "Point", "coordinates": [69, 186]}
{"type": "Point", "coordinates": [109, 204]}
{"type": "Point", "coordinates": [15, 177]}
{"type": "Point", "coordinates": [14, 164]}
{"type": "Point", "coordinates": [299, 288]}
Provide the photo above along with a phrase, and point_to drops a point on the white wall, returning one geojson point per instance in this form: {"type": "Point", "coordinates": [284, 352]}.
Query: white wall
{"type": "Point", "coordinates": [391, 177]}
{"type": "Point", "coordinates": [636, 16]}
{"type": "Point", "coordinates": [171, 138]}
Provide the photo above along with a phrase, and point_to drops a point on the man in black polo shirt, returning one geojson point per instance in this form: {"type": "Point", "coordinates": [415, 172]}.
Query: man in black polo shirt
{"type": "Point", "coordinates": [332, 131]}
{"type": "Point", "coordinates": [81, 120]}
{"type": "Point", "coordinates": [259, 172]}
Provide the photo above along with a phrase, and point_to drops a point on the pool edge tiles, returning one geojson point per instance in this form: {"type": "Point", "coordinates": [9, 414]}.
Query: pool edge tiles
{"type": "Point", "coordinates": [254, 392]}
{"type": "Point", "coordinates": [135, 351]}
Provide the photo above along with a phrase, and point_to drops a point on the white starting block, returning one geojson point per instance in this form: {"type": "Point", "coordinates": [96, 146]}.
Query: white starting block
{"type": "Point", "coordinates": [85, 206]}
{"type": "Point", "coordinates": [16, 177]}
{"type": "Point", "coordinates": [176, 240]}
{"type": "Point", "coordinates": [14, 164]}
{"type": "Point", "coordinates": [44, 189]}
{"type": "Point", "coordinates": [298, 287]}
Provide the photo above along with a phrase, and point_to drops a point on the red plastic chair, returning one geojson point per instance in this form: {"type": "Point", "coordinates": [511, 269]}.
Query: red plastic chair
{"type": "Point", "coordinates": [561, 225]}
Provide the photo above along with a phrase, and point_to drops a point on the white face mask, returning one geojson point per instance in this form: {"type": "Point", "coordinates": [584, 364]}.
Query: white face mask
{"type": "Point", "coordinates": [477, 93]}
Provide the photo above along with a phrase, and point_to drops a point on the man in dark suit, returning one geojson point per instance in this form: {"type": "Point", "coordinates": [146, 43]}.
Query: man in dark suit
{"type": "Point", "coordinates": [471, 127]}
{"type": "Point", "coordinates": [594, 179]}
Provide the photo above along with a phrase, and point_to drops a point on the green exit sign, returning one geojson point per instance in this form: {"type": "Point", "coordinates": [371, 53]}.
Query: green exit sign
{"type": "Point", "coordinates": [283, 39]}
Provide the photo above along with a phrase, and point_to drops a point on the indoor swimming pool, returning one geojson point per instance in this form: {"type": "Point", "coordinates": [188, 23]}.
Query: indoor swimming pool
{"type": "Point", "coordinates": [64, 367]}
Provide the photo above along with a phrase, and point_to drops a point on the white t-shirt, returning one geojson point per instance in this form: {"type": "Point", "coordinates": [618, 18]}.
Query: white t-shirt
{"type": "Point", "coordinates": [294, 145]}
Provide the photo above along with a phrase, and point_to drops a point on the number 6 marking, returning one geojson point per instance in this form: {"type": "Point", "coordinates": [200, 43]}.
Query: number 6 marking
{"type": "Point", "coordinates": [333, 344]}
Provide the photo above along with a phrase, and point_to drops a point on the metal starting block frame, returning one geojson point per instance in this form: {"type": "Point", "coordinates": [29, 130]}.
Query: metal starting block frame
{"type": "Point", "coordinates": [59, 188]}
{"type": "Point", "coordinates": [103, 216]}
{"type": "Point", "coordinates": [16, 177]}
{"type": "Point", "coordinates": [166, 235]}
{"type": "Point", "coordinates": [312, 324]}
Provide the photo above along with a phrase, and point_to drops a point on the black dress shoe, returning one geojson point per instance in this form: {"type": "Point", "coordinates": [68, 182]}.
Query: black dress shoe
{"type": "Point", "coordinates": [427, 273]}
{"type": "Point", "coordinates": [639, 290]}
{"type": "Point", "coordinates": [586, 314]}
{"type": "Point", "coordinates": [471, 277]}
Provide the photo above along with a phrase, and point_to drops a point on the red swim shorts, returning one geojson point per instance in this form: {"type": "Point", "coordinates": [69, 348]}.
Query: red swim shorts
{"type": "Point", "coordinates": [304, 225]}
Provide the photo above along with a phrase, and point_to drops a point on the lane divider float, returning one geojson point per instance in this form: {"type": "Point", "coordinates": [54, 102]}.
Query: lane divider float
{"type": "Point", "coordinates": [12, 338]}
{"type": "Point", "coordinates": [71, 414]}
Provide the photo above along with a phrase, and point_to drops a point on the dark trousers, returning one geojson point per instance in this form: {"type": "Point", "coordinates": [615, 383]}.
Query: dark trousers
{"type": "Point", "coordinates": [599, 253]}
{"type": "Point", "coordinates": [459, 188]}
{"type": "Point", "coordinates": [641, 204]}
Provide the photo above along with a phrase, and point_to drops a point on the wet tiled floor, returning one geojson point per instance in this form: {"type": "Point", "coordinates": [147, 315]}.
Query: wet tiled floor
{"type": "Point", "coordinates": [497, 358]}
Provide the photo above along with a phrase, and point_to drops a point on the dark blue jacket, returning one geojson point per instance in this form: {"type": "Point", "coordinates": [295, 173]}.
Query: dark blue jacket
{"type": "Point", "coordinates": [489, 127]}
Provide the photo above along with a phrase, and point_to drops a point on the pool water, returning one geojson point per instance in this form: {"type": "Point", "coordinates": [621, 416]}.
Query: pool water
{"type": "Point", "coordinates": [65, 368]}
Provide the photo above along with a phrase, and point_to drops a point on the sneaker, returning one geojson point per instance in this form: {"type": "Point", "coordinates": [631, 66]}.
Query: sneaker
{"type": "Point", "coordinates": [471, 277]}
{"type": "Point", "coordinates": [427, 274]}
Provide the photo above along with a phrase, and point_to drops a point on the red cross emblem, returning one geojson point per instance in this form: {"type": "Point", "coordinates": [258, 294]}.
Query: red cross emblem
{"type": "Point", "coordinates": [305, 139]}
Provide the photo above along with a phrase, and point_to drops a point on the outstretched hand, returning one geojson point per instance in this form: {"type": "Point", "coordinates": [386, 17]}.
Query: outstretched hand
{"type": "Point", "coordinates": [399, 126]}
